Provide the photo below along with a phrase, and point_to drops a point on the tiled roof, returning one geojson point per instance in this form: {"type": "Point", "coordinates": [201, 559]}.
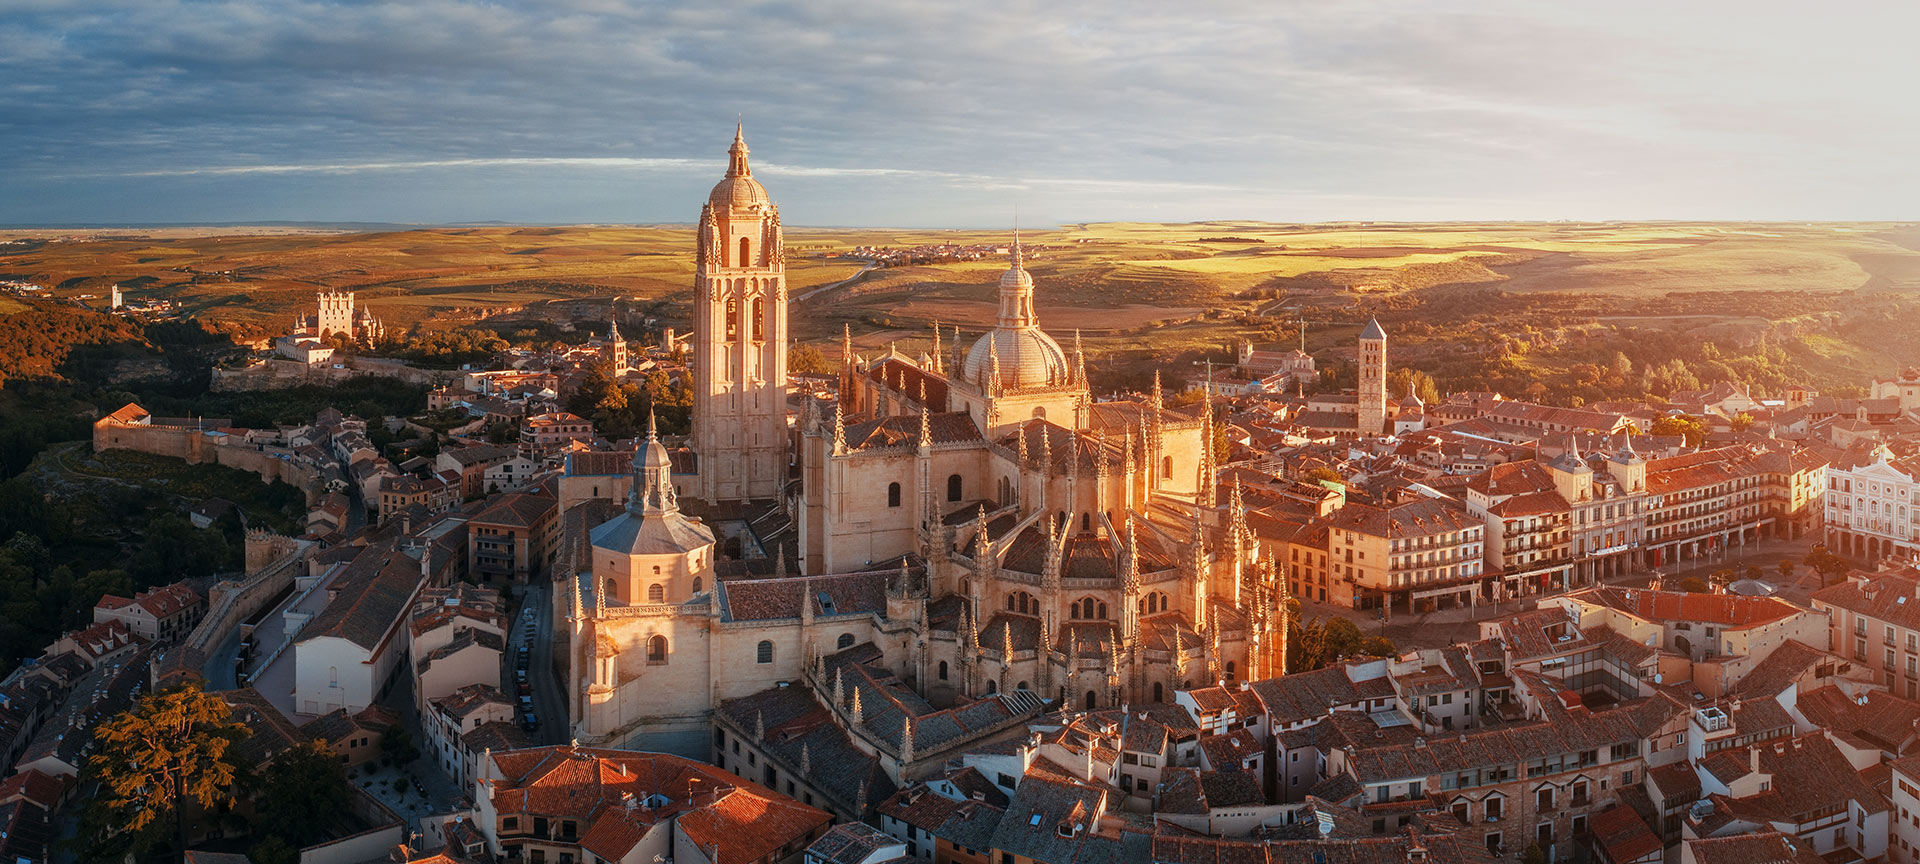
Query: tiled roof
{"type": "Point", "coordinates": [854, 843]}
{"type": "Point", "coordinates": [1763, 847]}
{"type": "Point", "coordinates": [435, 607]}
{"type": "Point", "coordinates": [1787, 663]}
{"type": "Point", "coordinates": [369, 597]}
{"type": "Point", "coordinates": [1892, 597]}
{"type": "Point", "coordinates": [774, 599]}
{"type": "Point", "coordinates": [1419, 518]}
{"type": "Point", "coordinates": [1624, 834]}
{"type": "Point", "coordinates": [1884, 721]}
{"type": "Point", "coordinates": [713, 808]}
{"type": "Point", "coordinates": [901, 430]}
{"type": "Point", "coordinates": [1728, 611]}
{"type": "Point", "coordinates": [517, 510]}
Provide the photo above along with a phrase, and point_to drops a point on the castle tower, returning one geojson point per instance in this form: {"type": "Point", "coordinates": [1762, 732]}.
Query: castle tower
{"type": "Point", "coordinates": [1373, 379]}
{"type": "Point", "coordinates": [335, 314]}
{"type": "Point", "coordinates": [740, 339]}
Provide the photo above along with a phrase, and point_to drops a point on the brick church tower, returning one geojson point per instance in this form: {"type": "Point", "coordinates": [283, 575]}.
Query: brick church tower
{"type": "Point", "coordinates": [1373, 379]}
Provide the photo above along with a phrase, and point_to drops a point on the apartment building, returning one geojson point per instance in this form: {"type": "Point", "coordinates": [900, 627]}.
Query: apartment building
{"type": "Point", "coordinates": [1874, 620]}
{"type": "Point", "coordinates": [1872, 505]}
{"type": "Point", "coordinates": [1418, 555]}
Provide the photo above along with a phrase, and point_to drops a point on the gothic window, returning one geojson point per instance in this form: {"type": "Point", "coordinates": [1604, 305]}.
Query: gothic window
{"type": "Point", "coordinates": [657, 651]}
{"type": "Point", "coordinates": [743, 252]}
{"type": "Point", "coordinates": [1230, 675]}
{"type": "Point", "coordinates": [953, 487]}
{"type": "Point", "coordinates": [1023, 603]}
{"type": "Point", "coordinates": [733, 319]}
{"type": "Point", "coordinates": [1086, 521]}
{"type": "Point", "coordinates": [992, 688]}
{"type": "Point", "coordinates": [1089, 609]}
{"type": "Point", "coordinates": [893, 494]}
{"type": "Point", "coordinates": [1091, 701]}
{"type": "Point", "coordinates": [759, 319]}
{"type": "Point", "coordinates": [844, 642]}
{"type": "Point", "coordinates": [612, 590]}
{"type": "Point", "coordinates": [1158, 692]}
{"type": "Point", "coordinates": [943, 670]}
{"type": "Point", "coordinates": [764, 653]}
{"type": "Point", "coordinates": [656, 593]}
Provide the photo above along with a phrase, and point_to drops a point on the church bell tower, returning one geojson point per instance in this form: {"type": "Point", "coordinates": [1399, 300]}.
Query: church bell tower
{"type": "Point", "coordinates": [740, 339]}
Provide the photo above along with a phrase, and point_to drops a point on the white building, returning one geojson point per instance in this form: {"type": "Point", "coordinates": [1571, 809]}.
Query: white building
{"type": "Point", "coordinates": [1873, 505]}
{"type": "Point", "coordinates": [350, 650]}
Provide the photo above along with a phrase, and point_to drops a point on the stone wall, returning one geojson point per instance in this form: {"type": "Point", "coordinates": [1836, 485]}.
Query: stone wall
{"type": "Point", "coordinates": [273, 560]}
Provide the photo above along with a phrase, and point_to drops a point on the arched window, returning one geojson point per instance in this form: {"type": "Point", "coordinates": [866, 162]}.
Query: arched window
{"type": "Point", "coordinates": [759, 319]}
{"type": "Point", "coordinates": [1039, 412]}
{"type": "Point", "coordinates": [1159, 695]}
{"type": "Point", "coordinates": [1020, 686]}
{"type": "Point", "coordinates": [733, 319]}
{"type": "Point", "coordinates": [1086, 521]}
{"type": "Point", "coordinates": [612, 590]}
{"type": "Point", "coordinates": [656, 569]}
{"type": "Point", "coordinates": [893, 494]}
{"type": "Point", "coordinates": [697, 584]}
{"type": "Point", "coordinates": [953, 487]}
{"type": "Point", "coordinates": [764, 653]}
{"type": "Point", "coordinates": [656, 593]}
{"type": "Point", "coordinates": [657, 650]}
{"type": "Point", "coordinates": [943, 670]}
{"type": "Point", "coordinates": [992, 688]}
{"type": "Point", "coordinates": [844, 642]}
{"type": "Point", "coordinates": [1023, 603]}
{"type": "Point", "coordinates": [333, 676]}
{"type": "Point", "coordinates": [744, 258]}
{"type": "Point", "coordinates": [1230, 675]}
{"type": "Point", "coordinates": [1166, 467]}
{"type": "Point", "coordinates": [1089, 609]}
{"type": "Point", "coordinates": [1091, 704]}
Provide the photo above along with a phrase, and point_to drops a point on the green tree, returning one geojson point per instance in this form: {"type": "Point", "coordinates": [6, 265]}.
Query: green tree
{"type": "Point", "coordinates": [1325, 474]}
{"type": "Point", "coordinates": [1694, 585]}
{"type": "Point", "coordinates": [1826, 564]}
{"type": "Point", "coordinates": [1741, 422]}
{"type": "Point", "coordinates": [1786, 569]}
{"type": "Point", "coordinates": [273, 850]}
{"type": "Point", "coordinates": [1690, 428]}
{"type": "Point", "coordinates": [170, 752]}
{"type": "Point", "coordinates": [807, 358]}
{"type": "Point", "coordinates": [305, 789]}
{"type": "Point", "coordinates": [396, 745]}
{"type": "Point", "coordinates": [172, 549]}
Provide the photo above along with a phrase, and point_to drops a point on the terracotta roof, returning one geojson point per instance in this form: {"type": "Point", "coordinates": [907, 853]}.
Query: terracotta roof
{"type": "Point", "coordinates": [516, 510]}
{"type": "Point", "coordinates": [1624, 834]}
{"type": "Point", "coordinates": [1728, 611]}
{"type": "Point", "coordinates": [743, 821]}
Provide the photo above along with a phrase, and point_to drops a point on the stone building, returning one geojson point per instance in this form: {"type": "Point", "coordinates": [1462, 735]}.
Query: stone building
{"type": "Point", "coordinates": [979, 521]}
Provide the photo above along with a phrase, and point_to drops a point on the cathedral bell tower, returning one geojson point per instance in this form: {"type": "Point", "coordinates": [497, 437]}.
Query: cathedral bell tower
{"type": "Point", "coordinates": [740, 339]}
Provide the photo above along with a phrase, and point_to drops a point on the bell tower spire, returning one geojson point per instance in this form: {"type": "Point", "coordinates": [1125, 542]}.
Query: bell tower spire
{"type": "Point", "coordinates": [740, 338]}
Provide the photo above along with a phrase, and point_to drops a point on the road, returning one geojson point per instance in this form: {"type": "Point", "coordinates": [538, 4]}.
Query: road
{"type": "Point", "coordinates": [840, 284]}
{"type": "Point", "coordinates": [548, 701]}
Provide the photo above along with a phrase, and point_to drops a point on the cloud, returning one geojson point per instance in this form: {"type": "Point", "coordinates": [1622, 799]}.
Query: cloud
{"type": "Point", "coordinates": [913, 112]}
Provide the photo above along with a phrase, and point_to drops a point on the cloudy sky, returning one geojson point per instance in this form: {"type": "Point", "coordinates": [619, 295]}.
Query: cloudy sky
{"type": "Point", "coordinates": [951, 114]}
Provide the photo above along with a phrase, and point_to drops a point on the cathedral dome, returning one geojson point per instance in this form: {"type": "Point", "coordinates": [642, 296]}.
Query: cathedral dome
{"type": "Point", "coordinates": [1028, 358]}
{"type": "Point", "coordinates": [741, 191]}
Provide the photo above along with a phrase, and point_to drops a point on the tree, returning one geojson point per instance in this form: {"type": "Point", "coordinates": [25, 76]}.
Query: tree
{"type": "Point", "coordinates": [807, 358]}
{"type": "Point", "coordinates": [273, 850]}
{"type": "Point", "coordinates": [171, 751]}
{"type": "Point", "coordinates": [1690, 428]}
{"type": "Point", "coordinates": [305, 788]}
{"type": "Point", "coordinates": [1741, 422]}
{"type": "Point", "coordinates": [396, 745]}
{"type": "Point", "coordinates": [1826, 564]}
{"type": "Point", "coordinates": [1786, 568]}
{"type": "Point", "coordinates": [1693, 585]}
{"type": "Point", "coordinates": [1533, 855]}
{"type": "Point", "coordinates": [1325, 474]}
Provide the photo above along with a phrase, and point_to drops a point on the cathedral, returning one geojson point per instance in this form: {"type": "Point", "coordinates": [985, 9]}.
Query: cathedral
{"type": "Point", "coordinates": [970, 516]}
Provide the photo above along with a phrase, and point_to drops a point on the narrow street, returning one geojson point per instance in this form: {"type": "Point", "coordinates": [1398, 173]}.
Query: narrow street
{"type": "Point", "coordinates": [548, 702]}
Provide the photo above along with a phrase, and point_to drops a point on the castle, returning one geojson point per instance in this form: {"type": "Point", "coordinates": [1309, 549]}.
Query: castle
{"type": "Point", "coordinates": [976, 522]}
{"type": "Point", "coordinates": [336, 313]}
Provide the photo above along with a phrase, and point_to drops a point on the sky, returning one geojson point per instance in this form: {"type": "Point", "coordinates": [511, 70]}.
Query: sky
{"type": "Point", "coordinates": [954, 114]}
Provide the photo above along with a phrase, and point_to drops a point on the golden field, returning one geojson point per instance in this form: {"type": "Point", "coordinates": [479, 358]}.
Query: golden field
{"type": "Point", "coordinates": [1146, 291]}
